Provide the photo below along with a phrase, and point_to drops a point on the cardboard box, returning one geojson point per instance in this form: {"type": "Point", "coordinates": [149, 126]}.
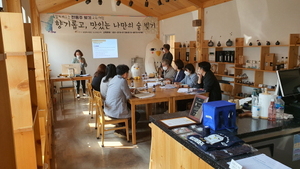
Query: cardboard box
{"type": "Point", "coordinates": [270, 61]}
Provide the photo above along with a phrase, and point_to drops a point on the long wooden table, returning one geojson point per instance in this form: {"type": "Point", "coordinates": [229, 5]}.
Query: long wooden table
{"type": "Point", "coordinates": [161, 95]}
{"type": "Point", "coordinates": [62, 79]}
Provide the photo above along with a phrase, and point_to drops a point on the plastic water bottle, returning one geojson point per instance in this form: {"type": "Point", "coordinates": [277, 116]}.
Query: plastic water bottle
{"type": "Point", "coordinates": [255, 105]}
{"type": "Point", "coordinates": [279, 107]}
{"type": "Point", "coordinates": [272, 111]}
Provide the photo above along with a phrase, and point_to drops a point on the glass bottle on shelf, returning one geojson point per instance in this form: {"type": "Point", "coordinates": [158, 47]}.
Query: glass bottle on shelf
{"type": "Point", "coordinates": [286, 63]}
{"type": "Point", "coordinates": [282, 63]}
{"type": "Point", "coordinates": [272, 111]}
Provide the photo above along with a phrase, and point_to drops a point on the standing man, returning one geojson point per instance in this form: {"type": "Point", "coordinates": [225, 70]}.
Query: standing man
{"type": "Point", "coordinates": [208, 81]}
{"type": "Point", "coordinates": [167, 55]}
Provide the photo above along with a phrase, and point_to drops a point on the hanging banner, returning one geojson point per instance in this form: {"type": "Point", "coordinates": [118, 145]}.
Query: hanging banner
{"type": "Point", "coordinates": [70, 23]}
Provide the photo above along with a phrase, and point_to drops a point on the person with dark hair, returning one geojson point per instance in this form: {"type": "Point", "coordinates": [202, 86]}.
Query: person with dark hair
{"type": "Point", "coordinates": [178, 66]}
{"type": "Point", "coordinates": [78, 58]}
{"type": "Point", "coordinates": [208, 81]}
{"type": "Point", "coordinates": [99, 74]}
{"type": "Point", "coordinates": [190, 79]}
{"type": "Point", "coordinates": [110, 73]}
{"type": "Point", "coordinates": [168, 71]}
{"type": "Point", "coordinates": [118, 93]}
{"type": "Point", "coordinates": [167, 54]}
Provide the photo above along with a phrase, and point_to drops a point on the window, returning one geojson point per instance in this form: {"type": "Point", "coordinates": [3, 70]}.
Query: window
{"type": "Point", "coordinates": [170, 39]}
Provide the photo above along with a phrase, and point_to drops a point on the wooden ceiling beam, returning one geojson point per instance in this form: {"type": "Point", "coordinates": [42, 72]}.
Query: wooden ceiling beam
{"type": "Point", "coordinates": [214, 2]}
{"type": "Point", "coordinates": [14, 6]}
{"type": "Point", "coordinates": [197, 3]}
{"type": "Point", "coordinates": [178, 12]}
{"type": "Point", "coordinates": [140, 8]}
{"type": "Point", "coordinates": [58, 7]}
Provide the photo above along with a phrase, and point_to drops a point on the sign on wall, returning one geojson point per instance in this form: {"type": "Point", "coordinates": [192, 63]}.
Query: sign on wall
{"type": "Point", "coordinates": [70, 23]}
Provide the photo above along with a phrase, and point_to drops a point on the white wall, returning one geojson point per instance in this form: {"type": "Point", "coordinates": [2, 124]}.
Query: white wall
{"type": "Point", "coordinates": [254, 20]}
{"type": "Point", "coordinates": [61, 47]}
{"type": "Point", "coordinates": [180, 26]}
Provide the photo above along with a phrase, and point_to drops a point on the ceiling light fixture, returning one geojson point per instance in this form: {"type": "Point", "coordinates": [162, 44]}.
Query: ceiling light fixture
{"type": "Point", "coordinates": [159, 2]}
{"type": "Point", "coordinates": [146, 3]}
{"type": "Point", "coordinates": [118, 3]}
{"type": "Point", "coordinates": [87, 1]}
{"type": "Point", "coordinates": [100, 2]}
{"type": "Point", "coordinates": [130, 3]}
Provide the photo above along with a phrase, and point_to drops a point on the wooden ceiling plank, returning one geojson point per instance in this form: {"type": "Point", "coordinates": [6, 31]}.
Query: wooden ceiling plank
{"type": "Point", "coordinates": [179, 12]}
{"type": "Point", "coordinates": [138, 6]}
{"type": "Point", "coordinates": [197, 3]}
{"type": "Point", "coordinates": [214, 2]}
{"type": "Point", "coordinates": [61, 6]}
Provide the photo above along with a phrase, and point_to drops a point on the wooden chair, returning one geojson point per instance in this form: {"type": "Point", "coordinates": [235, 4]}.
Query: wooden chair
{"type": "Point", "coordinates": [91, 99]}
{"type": "Point", "coordinates": [63, 89]}
{"type": "Point", "coordinates": [98, 94]}
{"type": "Point", "coordinates": [227, 89]}
{"type": "Point", "coordinates": [103, 120]}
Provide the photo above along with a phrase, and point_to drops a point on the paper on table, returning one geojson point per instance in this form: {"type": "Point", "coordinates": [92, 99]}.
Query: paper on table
{"type": "Point", "coordinates": [144, 95]}
{"type": "Point", "coordinates": [178, 121]}
{"type": "Point", "coordinates": [168, 86]}
{"type": "Point", "coordinates": [152, 80]}
{"type": "Point", "coordinates": [261, 161]}
{"type": "Point", "coordinates": [150, 84]}
{"type": "Point", "coordinates": [182, 90]}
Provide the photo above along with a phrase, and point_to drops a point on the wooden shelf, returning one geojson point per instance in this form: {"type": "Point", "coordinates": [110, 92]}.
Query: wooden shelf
{"type": "Point", "coordinates": [224, 75]}
{"type": "Point", "coordinates": [253, 46]}
{"type": "Point", "coordinates": [273, 71]}
{"type": "Point", "coordinates": [230, 63]}
{"type": "Point", "coordinates": [239, 97]}
{"type": "Point", "coordinates": [252, 86]}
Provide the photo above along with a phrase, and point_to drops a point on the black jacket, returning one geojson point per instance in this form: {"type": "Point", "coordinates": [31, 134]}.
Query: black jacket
{"type": "Point", "coordinates": [211, 84]}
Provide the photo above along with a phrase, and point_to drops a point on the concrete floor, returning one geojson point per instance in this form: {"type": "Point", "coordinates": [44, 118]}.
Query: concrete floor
{"type": "Point", "coordinates": [75, 145]}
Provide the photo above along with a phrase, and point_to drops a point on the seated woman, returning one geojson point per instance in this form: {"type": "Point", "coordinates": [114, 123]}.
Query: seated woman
{"type": "Point", "coordinates": [99, 74]}
{"type": "Point", "coordinates": [110, 73]}
{"type": "Point", "coordinates": [208, 81]}
{"type": "Point", "coordinates": [178, 66]}
{"type": "Point", "coordinates": [190, 79]}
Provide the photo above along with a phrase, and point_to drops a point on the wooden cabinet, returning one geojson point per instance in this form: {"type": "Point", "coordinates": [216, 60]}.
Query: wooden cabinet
{"type": "Point", "coordinates": [188, 53]}
{"type": "Point", "coordinates": [239, 69]}
{"type": "Point", "coordinates": [20, 97]}
{"type": "Point", "coordinates": [167, 153]}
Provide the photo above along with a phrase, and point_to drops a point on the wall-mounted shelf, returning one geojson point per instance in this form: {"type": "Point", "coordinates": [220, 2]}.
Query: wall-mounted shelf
{"type": "Point", "coordinates": [242, 68]}
{"type": "Point", "coordinates": [239, 45]}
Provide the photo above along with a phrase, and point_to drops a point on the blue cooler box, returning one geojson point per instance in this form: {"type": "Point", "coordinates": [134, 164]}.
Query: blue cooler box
{"type": "Point", "coordinates": [219, 115]}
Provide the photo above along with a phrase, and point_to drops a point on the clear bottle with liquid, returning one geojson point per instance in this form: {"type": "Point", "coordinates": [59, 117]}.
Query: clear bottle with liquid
{"type": "Point", "coordinates": [255, 104]}
{"type": "Point", "coordinates": [279, 107]}
{"type": "Point", "coordinates": [285, 63]}
{"type": "Point", "coordinates": [282, 63]}
{"type": "Point", "coordinates": [132, 83]}
{"type": "Point", "coordinates": [272, 111]}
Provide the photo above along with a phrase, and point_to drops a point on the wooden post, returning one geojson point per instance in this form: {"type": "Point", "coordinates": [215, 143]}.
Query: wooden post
{"type": "Point", "coordinates": [19, 90]}
{"type": "Point", "coordinates": [200, 36]}
{"type": "Point", "coordinates": [35, 19]}
{"type": "Point", "coordinates": [14, 6]}
{"type": "Point", "coordinates": [7, 153]}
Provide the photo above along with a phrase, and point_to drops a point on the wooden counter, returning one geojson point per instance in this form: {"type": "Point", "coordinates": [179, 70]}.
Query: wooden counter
{"type": "Point", "coordinates": [168, 150]}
